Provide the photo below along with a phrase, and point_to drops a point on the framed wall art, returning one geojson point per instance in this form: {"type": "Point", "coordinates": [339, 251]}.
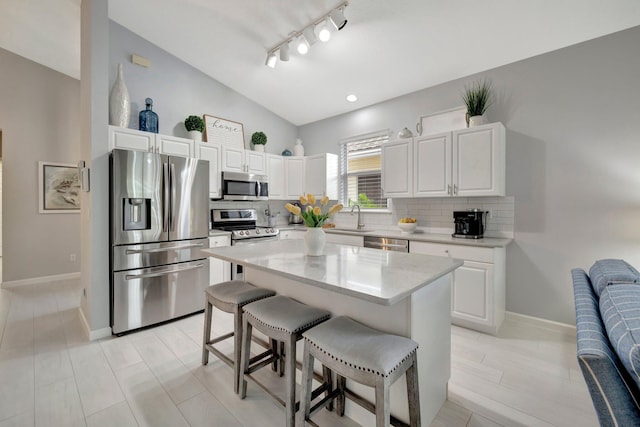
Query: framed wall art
{"type": "Point", "coordinates": [58, 188]}
{"type": "Point", "coordinates": [224, 131]}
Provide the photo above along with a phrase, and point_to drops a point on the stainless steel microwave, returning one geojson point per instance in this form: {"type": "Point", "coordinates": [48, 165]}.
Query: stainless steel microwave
{"type": "Point", "coordinates": [244, 186]}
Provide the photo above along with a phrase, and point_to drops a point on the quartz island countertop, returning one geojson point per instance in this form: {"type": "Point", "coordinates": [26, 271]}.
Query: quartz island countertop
{"type": "Point", "coordinates": [376, 276]}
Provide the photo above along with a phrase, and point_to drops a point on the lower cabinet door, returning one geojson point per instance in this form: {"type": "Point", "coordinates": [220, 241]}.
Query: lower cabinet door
{"type": "Point", "coordinates": [471, 293]}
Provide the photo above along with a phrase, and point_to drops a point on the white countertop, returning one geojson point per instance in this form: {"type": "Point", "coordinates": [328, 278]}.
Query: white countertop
{"type": "Point", "coordinates": [381, 277]}
{"type": "Point", "coordinates": [418, 236]}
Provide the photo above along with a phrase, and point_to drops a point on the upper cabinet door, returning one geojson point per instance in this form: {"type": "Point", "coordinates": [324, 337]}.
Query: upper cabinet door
{"type": "Point", "coordinates": [321, 175]}
{"type": "Point", "coordinates": [130, 139]}
{"type": "Point", "coordinates": [212, 152]}
{"type": "Point", "coordinates": [255, 162]}
{"type": "Point", "coordinates": [232, 159]}
{"type": "Point", "coordinates": [479, 161]}
{"type": "Point", "coordinates": [294, 177]}
{"type": "Point", "coordinates": [432, 166]}
{"type": "Point", "coordinates": [175, 146]}
{"type": "Point", "coordinates": [275, 173]}
{"type": "Point", "coordinates": [397, 174]}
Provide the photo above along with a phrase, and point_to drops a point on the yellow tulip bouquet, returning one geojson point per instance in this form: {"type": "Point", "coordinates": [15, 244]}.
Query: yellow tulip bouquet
{"type": "Point", "coordinates": [311, 214]}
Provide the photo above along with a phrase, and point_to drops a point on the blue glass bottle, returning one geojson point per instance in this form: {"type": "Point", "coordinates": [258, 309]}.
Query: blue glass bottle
{"type": "Point", "coordinates": [147, 118]}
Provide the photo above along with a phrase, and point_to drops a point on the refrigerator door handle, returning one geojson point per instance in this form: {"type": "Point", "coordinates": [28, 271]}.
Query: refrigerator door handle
{"type": "Point", "coordinates": [165, 178]}
{"type": "Point", "coordinates": [151, 251]}
{"type": "Point", "coordinates": [172, 220]}
{"type": "Point", "coordinates": [162, 273]}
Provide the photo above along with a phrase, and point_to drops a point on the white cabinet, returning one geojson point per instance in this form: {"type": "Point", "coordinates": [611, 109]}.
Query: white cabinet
{"type": "Point", "coordinates": [130, 139]}
{"type": "Point", "coordinates": [321, 175]}
{"type": "Point", "coordinates": [275, 173]}
{"type": "Point", "coordinates": [212, 151]}
{"type": "Point", "coordinates": [463, 163]}
{"type": "Point", "coordinates": [397, 169]}
{"type": "Point", "coordinates": [344, 239]}
{"type": "Point", "coordinates": [219, 271]}
{"type": "Point", "coordinates": [294, 174]}
{"type": "Point", "coordinates": [478, 287]}
{"type": "Point", "coordinates": [235, 159]}
{"type": "Point", "coordinates": [292, 234]}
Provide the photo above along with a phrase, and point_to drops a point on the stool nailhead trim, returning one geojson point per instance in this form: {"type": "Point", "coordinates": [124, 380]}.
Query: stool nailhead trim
{"type": "Point", "coordinates": [301, 328]}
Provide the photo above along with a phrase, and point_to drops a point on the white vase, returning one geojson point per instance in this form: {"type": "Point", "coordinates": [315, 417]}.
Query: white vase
{"type": "Point", "coordinates": [119, 105]}
{"type": "Point", "coordinates": [477, 121]}
{"type": "Point", "coordinates": [315, 239]}
{"type": "Point", "coordinates": [259, 148]}
{"type": "Point", "coordinates": [298, 149]}
{"type": "Point", "coordinates": [196, 135]}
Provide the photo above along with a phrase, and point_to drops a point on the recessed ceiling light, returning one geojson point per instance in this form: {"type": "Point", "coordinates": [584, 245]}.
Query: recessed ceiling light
{"type": "Point", "coordinates": [352, 98]}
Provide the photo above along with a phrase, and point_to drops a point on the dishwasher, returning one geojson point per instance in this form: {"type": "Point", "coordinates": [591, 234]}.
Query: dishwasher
{"type": "Point", "coordinates": [386, 244]}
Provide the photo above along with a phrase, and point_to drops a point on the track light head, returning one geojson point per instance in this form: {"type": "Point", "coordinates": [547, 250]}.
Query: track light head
{"type": "Point", "coordinates": [324, 34]}
{"type": "Point", "coordinates": [310, 35]}
{"type": "Point", "coordinates": [271, 60]}
{"type": "Point", "coordinates": [284, 51]}
{"type": "Point", "coordinates": [337, 18]}
{"type": "Point", "coordinates": [302, 46]}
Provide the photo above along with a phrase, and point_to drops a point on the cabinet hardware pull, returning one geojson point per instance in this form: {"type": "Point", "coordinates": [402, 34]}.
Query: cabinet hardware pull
{"type": "Point", "coordinates": [160, 273]}
{"type": "Point", "coordinates": [449, 189]}
{"type": "Point", "coordinates": [455, 189]}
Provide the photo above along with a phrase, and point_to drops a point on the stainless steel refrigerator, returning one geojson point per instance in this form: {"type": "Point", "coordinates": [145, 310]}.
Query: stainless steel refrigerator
{"type": "Point", "coordinates": [159, 224]}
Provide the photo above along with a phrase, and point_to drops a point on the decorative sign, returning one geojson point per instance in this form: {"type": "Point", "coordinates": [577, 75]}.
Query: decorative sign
{"type": "Point", "coordinates": [58, 188]}
{"type": "Point", "coordinates": [444, 121]}
{"type": "Point", "coordinates": [223, 131]}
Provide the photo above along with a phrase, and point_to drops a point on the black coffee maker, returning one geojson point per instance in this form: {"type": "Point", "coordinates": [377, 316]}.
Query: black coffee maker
{"type": "Point", "coordinates": [469, 224]}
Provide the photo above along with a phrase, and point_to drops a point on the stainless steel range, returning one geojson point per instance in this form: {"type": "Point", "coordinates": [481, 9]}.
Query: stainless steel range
{"type": "Point", "coordinates": [244, 230]}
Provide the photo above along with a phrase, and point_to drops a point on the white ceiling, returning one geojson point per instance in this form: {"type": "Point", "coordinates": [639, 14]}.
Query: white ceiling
{"type": "Point", "coordinates": [387, 49]}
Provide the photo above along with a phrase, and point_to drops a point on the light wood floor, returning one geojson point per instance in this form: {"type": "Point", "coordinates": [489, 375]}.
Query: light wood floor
{"type": "Point", "coordinates": [51, 376]}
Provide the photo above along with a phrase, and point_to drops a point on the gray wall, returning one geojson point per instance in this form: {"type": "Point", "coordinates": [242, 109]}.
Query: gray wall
{"type": "Point", "coordinates": [573, 153]}
{"type": "Point", "coordinates": [39, 118]}
{"type": "Point", "coordinates": [179, 90]}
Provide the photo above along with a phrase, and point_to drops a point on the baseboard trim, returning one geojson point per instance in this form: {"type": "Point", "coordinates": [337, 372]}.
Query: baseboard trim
{"type": "Point", "coordinates": [39, 280]}
{"type": "Point", "coordinates": [563, 328]}
{"type": "Point", "coordinates": [92, 335]}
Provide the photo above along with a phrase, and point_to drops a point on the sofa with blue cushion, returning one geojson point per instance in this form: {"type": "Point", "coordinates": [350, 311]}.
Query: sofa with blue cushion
{"type": "Point", "coordinates": [607, 302]}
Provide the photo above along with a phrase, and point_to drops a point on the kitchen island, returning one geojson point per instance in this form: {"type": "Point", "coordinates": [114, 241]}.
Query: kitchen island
{"type": "Point", "coordinates": [400, 293]}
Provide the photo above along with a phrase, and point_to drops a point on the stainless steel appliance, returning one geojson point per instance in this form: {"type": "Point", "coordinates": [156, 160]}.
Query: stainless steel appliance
{"type": "Point", "coordinates": [469, 224]}
{"type": "Point", "coordinates": [385, 244]}
{"type": "Point", "coordinates": [244, 186]}
{"type": "Point", "coordinates": [159, 224]}
{"type": "Point", "coordinates": [244, 231]}
{"type": "Point", "coordinates": [295, 219]}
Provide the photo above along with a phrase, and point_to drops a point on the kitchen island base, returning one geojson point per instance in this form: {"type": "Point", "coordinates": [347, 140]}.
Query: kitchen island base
{"type": "Point", "coordinates": [424, 316]}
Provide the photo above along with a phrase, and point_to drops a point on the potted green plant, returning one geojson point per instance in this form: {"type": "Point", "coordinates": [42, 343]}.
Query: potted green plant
{"type": "Point", "coordinates": [477, 97]}
{"type": "Point", "coordinates": [258, 139]}
{"type": "Point", "coordinates": [195, 127]}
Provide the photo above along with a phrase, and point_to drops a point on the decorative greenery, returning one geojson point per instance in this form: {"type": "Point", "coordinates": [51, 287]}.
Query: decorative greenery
{"type": "Point", "coordinates": [312, 215]}
{"type": "Point", "coordinates": [259, 138]}
{"type": "Point", "coordinates": [477, 97]}
{"type": "Point", "coordinates": [363, 201]}
{"type": "Point", "coordinates": [194, 123]}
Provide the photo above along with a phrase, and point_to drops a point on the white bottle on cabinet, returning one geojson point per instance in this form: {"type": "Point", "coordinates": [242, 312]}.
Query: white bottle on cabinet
{"type": "Point", "coordinates": [298, 149]}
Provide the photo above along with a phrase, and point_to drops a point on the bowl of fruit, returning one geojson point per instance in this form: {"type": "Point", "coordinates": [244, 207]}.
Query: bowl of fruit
{"type": "Point", "coordinates": [407, 225]}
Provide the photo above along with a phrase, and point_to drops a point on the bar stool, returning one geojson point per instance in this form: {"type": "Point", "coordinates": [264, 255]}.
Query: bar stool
{"type": "Point", "coordinates": [284, 320]}
{"type": "Point", "coordinates": [230, 297]}
{"type": "Point", "coordinates": [365, 355]}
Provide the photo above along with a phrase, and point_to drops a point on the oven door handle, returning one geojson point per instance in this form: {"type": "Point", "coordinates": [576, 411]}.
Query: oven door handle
{"type": "Point", "coordinates": [156, 250]}
{"type": "Point", "coordinates": [162, 273]}
{"type": "Point", "coordinates": [258, 188]}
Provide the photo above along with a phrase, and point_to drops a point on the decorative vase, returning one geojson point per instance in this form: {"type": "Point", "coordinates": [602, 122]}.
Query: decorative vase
{"type": "Point", "coordinates": [196, 135]}
{"type": "Point", "coordinates": [259, 148]}
{"type": "Point", "coordinates": [314, 239]}
{"type": "Point", "coordinates": [148, 120]}
{"type": "Point", "coordinates": [298, 149]}
{"type": "Point", "coordinates": [476, 121]}
{"type": "Point", "coordinates": [119, 105]}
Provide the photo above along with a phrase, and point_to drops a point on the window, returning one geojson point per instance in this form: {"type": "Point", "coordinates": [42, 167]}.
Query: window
{"type": "Point", "coordinates": [361, 171]}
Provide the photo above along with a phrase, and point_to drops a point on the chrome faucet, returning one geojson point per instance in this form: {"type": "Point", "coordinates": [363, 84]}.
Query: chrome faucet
{"type": "Point", "coordinates": [360, 223]}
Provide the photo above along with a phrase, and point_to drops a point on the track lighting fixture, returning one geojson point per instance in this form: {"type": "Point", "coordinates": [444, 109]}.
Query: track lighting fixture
{"type": "Point", "coordinates": [302, 40]}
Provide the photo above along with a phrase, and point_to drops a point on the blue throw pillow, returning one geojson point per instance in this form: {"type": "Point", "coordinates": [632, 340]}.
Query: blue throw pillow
{"type": "Point", "coordinates": [620, 311]}
{"type": "Point", "coordinates": [607, 272]}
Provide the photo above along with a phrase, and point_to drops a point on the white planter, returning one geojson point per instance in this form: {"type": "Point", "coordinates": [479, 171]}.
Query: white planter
{"type": "Point", "coordinates": [119, 105]}
{"type": "Point", "coordinates": [477, 121]}
{"type": "Point", "coordinates": [314, 240]}
{"type": "Point", "coordinates": [196, 135]}
{"type": "Point", "coordinates": [259, 148]}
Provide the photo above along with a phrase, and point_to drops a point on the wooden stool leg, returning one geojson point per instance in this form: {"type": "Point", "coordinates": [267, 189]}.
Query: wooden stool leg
{"type": "Point", "coordinates": [290, 380]}
{"type": "Point", "coordinates": [274, 351]}
{"type": "Point", "coordinates": [247, 329]}
{"type": "Point", "coordinates": [383, 412]}
{"type": "Point", "coordinates": [341, 384]}
{"type": "Point", "coordinates": [305, 390]}
{"type": "Point", "coordinates": [413, 393]}
{"type": "Point", "coordinates": [237, 347]}
{"type": "Point", "coordinates": [207, 333]}
{"type": "Point", "coordinates": [328, 380]}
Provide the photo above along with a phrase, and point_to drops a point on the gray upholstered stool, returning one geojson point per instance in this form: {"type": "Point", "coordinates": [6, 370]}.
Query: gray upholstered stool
{"type": "Point", "coordinates": [229, 297]}
{"type": "Point", "coordinates": [284, 320]}
{"type": "Point", "coordinates": [365, 355]}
